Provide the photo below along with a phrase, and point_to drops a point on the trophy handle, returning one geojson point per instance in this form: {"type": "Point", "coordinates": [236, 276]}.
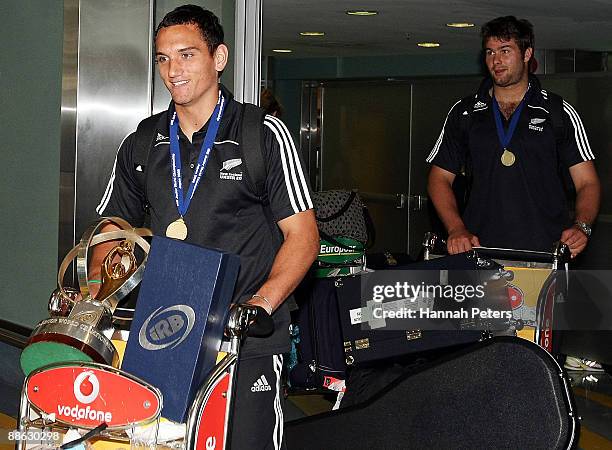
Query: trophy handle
{"type": "Point", "coordinates": [82, 334]}
{"type": "Point", "coordinates": [90, 239]}
{"type": "Point", "coordinates": [114, 274]}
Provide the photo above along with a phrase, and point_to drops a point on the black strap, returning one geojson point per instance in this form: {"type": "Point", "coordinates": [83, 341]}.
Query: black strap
{"type": "Point", "coordinates": [369, 223]}
{"type": "Point", "coordinates": [253, 162]}
{"type": "Point", "coordinates": [370, 229]}
{"type": "Point", "coordinates": [91, 434]}
{"type": "Point", "coordinates": [556, 115]}
{"type": "Point", "coordinates": [341, 211]}
{"type": "Point", "coordinates": [555, 105]}
{"type": "Point", "coordinates": [251, 146]}
{"type": "Point", "coordinates": [145, 134]}
{"type": "Point", "coordinates": [145, 138]}
{"type": "Point", "coordinates": [464, 182]}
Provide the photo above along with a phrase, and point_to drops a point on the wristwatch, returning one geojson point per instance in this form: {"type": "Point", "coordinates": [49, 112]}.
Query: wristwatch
{"type": "Point", "coordinates": [585, 227]}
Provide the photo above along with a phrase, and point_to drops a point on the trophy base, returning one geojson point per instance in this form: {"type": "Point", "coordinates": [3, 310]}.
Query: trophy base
{"type": "Point", "coordinates": [39, 354]}
{"type": "Point", "coordinates": [61, 339]}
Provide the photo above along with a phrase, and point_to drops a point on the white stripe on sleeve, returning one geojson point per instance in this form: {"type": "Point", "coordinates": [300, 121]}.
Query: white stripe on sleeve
{"type": "Point", "coordinates": [295, 181]}
{"type": "Point", "coordinates": [301, 186]}
{"type": "Point", "coordinates": [579, 132]}
{"type": "Point", "coordinates": [436, 147]}
{"type": "Point", "coordinates": [109, 187]}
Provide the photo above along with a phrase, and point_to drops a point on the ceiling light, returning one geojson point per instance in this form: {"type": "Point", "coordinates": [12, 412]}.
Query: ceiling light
{"type": "Point", "coordinates": [428, 44]}
{"type": "Point", "coordinates": [361, 13]}
{"type": "Point", "coordinates": [282, 50]}
{"type": "Point", "coordinates": [312, 33]}
{"type": "Point", "coordinates": [460, 25]}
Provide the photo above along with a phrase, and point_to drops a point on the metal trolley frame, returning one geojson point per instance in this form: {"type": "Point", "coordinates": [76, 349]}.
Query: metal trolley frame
{"type": "Point", "coordinates": [208, 422]}
{"type": "Point", "coordinates": [554, 288]}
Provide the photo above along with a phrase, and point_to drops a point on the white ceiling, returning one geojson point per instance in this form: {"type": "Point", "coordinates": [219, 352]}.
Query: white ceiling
{"type": "Point", "coordinates": [559, 24]}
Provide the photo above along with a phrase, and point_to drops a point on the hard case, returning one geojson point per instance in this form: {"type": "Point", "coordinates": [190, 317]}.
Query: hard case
{"type": "Point", "coordinates": [362, 344]}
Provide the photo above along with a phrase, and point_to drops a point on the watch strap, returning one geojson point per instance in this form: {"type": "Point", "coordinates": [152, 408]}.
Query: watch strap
{"type": "Point", "coordinates": [585, 227]}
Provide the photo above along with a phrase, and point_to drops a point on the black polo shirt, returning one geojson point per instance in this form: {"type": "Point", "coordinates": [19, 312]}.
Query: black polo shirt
{"type": "Point", "coordinates": [224, 212]}
{"type": "Point", "coordinates": [522, 206]}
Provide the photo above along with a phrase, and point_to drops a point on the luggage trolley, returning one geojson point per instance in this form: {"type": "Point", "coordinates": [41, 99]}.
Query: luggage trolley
{"type": "Point", "coordinates": [535, 282]}
{"type": "Point", "coordinates": [132, 406]}
{"type": "Point", "coordinates": [74, 382]}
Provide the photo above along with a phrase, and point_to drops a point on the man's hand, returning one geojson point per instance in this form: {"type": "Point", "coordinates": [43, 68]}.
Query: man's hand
{"type": "Point", "coordinates": [575, 239]}
{"type": "Point", "coordinates": [295, 256]}
{"type": "Point", "coordinates": [439, 186]}
{"type": "Point", "coordinates": [460, 241]}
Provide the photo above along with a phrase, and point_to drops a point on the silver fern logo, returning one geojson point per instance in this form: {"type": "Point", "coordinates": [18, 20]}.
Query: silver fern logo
{"type": "Point", "coordinates": [231, 163]}
{"type": "Point", "coordinates": [533, 124]}
{"type": "Point", "coordinates": [228, 165]}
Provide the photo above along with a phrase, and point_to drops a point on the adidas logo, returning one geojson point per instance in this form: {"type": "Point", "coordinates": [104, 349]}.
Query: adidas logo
{"type": "Point", "coordinates": [160, 137]}
{"type": "Point", "coordinates": [479, 104]}
{"type": "Point", "coordinates": [261, 385]}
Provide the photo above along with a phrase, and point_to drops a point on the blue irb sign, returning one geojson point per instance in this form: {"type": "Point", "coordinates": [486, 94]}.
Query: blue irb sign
{"type": "Point", "coordinates": [178, 324]}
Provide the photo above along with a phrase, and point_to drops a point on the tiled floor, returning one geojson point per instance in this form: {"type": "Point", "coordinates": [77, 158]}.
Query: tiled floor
{"type": "Point", "coordinates": [593, 396]}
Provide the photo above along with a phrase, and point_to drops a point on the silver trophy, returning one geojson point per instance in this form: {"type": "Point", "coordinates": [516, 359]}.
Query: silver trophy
{"type": "Point", "coordinates": [81, 325]}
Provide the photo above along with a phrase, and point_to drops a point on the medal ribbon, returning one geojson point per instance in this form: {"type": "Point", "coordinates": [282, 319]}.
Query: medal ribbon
{"type": "Point", "coordinates": [506, 136]}
{"type": "Point", "coordinates": [182, 203]}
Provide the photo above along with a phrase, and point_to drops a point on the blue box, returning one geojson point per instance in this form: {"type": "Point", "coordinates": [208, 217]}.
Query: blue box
{"type": "Point", "coordinates": [179, 319]}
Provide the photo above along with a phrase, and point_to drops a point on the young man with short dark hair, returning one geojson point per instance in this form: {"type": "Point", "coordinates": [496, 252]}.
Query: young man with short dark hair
{"type": "Point", "coordinates": [224, 211]}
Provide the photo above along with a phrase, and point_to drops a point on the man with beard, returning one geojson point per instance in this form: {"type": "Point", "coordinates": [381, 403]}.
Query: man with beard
{"type": "Point", "coordinates": [521, 149]}
{"type": "Point", "coordinates": [513, 148]}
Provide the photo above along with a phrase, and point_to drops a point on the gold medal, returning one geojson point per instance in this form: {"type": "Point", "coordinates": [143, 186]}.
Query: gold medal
{"type": "Point", "coordinates": [507, 158]}
{"type": "Point", "coordinates": [177, 229]}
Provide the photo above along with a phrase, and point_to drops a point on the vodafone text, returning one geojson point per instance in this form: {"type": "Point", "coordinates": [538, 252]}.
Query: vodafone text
{"type": "Point", "coordinates": [78, 412]}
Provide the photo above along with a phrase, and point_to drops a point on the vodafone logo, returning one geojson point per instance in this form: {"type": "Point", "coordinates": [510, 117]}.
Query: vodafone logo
{"type": "Point", "coordinates": [86, 387]}
{"type": "Point", "coordinates": [83, 396]}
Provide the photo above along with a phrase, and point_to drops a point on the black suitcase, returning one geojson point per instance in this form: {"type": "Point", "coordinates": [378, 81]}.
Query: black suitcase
{"type": "Point", "coordinates": [504, 393]}
{"type": "Point", "coordinates": [362, 344]}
